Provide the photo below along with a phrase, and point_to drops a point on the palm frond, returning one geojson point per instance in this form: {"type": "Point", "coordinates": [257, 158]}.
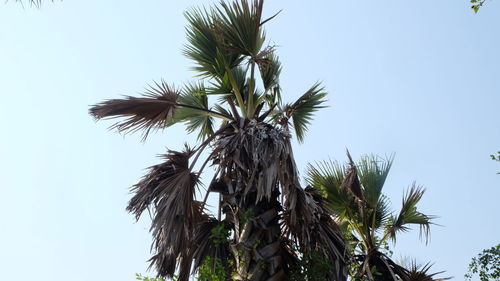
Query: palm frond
{"type": "Point", "coordinates": [373, 172]}
{"type": "Point", "coordinates": [204, 46]}
{"type": "Point", "coordinates": [202, 121]}
{"type": "Point", "coordinates": [308, 221]}
{"type": "Point", "coordinates": [270, 70]}
{"type": "Point", "coordinates": [351, 180]}
{"type": "Point", "coordinates": [222, 85]}
{"type": "Point", "coordinates": [169, 189]}
{"type": "Point", "coordinates": [409, 215]}
{"type": "Point", "coordinates": [203, 246]}
{"type": "Point", "coordinates": [151, 112]}
{"type": "Point", "coordinates": [328, 177]}
{"type": "Point", "coordinates": [418, 272]}
{"type": "Point", "coordinates": [239, 26]}
{"type": "Point", "coordinates": [302, 110]}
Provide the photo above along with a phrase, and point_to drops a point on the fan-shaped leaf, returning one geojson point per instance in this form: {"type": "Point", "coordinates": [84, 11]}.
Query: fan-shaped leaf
{"type": "Point", "coordinates": [195, 95]}
{"type": "Point", "coordinates": [153, 111]}
{"type": "Point", "coordinates": [169, 188]}
{"type": "Point", "coordinates": [302, 110]}
{"type": "Point", "coordinates": [204, 45]}
{"type": "Point", "coordinates": [239, 26]}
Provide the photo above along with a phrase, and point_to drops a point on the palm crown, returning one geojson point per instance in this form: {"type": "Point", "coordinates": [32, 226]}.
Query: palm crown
{"type": "Point", "coordinates": [354, 193]}
{"type": "Point", "coordinates": [227, 45]}
{"type": "Point", "coordinates": [268, 215]}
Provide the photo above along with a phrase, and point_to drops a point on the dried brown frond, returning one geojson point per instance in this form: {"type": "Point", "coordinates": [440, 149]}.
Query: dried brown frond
{"type": "Point", "coordinates": [204, 246]}
{"type": "Point", "coordinates": [153, 111]}
{"type": "Point", "coordinates": [308, 221]}
{"type": "Point", "coordinates": [351, 180]}
{"type": "Point", "coordinates": [253, 156]}
{"type": "Point", "coordinates": [169, 189]}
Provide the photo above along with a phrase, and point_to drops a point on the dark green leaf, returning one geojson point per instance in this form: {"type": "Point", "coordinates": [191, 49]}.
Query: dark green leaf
{"type": "Point", "coordinates": [303, 109]}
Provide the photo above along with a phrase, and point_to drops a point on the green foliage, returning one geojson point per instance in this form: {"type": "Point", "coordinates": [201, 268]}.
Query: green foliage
{"type": "Point", "coordinates": [354, 193]}
{"type": "Point", "coordinates": [313, 267]}
{"type": "Point", "coordinates": [486, 265]}
{"type": "Point", "coordinates": [212, 270]}
{"type": "Point", "coordinates": [195, 96]}
{"type": "Point", "coordinates": [219, 235]}
{"type": "Point", "coordinates": [476, 4]}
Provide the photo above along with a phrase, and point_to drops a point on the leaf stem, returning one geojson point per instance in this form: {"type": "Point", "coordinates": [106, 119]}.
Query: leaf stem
{"type": "Point", "coordinates": [237, 92]}
{"type": "Point", "coordinates": [251, 89]}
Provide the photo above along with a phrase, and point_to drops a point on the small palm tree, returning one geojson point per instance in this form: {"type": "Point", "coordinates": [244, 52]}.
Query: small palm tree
{"type": "Point", "coordinates": [354, 193]}
{"type": "Point", "coordinates": [266, 222]}
{"type": "Point", "coordinates": [418, 272]}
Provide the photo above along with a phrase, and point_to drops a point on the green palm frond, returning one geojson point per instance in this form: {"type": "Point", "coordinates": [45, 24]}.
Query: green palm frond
{"type": "Point", "coordinates": [373, 172]}
{"type": "Point", "coordinates": [239, 26]}
{"type": "Point", "coordinates": [270, 69]}
{"type": "Point", "coordinates": [418, 272]}
{"type": "Point", "coordinates": [379, 215]}
{"type": "Point", "coordinates": [204, 48]}
{"type": "Point", "coordinates": [302, 110]}
{"type": "Point", "coordinates": [196, 120]}
{"type": "Point", "coordinates": [328, 176]}
{"type": "Point", "coordinates": [222, 85]}
{"type": "Point", "coordinates": [409, 215]}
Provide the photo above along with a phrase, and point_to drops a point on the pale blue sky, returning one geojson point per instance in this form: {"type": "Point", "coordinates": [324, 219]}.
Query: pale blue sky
{"type": "Point", "coordinates": [419, 79]}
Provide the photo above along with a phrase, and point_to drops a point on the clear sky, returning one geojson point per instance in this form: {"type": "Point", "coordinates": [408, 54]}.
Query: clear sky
{"type": "Point", "coordinates": [417, 78]}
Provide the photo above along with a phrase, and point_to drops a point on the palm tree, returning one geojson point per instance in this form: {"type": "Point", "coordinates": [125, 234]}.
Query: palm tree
{"type": "Point", "coordinates": [354, 193]}
{"type": "Point", "coordinates": [266, 222]}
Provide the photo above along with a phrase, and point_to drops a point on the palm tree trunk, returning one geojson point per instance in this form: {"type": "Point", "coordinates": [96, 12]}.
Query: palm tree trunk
{"type": "Point", "coordinates": [258, 245]}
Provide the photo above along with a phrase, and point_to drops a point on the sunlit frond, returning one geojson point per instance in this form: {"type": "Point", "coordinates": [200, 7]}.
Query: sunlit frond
{"type": "Point", "coordinates": [239, 26]}
{"type": "Point", "coordinates": [204, 45]}
{"type": "Point", "coordinates": [195, 95]}
{"type": "Point", "coordinates": [151, 112]}
{"type": "Point", "coordinates": [373, 172]}
{"type": "Point", "coordinates": [222, 85]}
{"type": "Point", "coordinates": [409, 215]}
{"type": "Point", "coordinates": [328, 177]}
{"type": "Point", "coordinates": [302, 110]}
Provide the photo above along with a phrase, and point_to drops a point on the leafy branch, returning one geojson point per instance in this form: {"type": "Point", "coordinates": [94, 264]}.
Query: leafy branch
{"type": "Point", "coordinates": [476, 4]}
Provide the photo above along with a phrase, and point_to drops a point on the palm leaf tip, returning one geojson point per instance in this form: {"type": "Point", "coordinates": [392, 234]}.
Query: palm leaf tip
{"type": "Point", "coordinates": [302, 110]}
{"type": "Point", "coordinates": [351, 180]}
{"type": "Point", "coordinates": [418, 272]}
{"type": "Point", "coordinates": [169, 188]}
{"type": "Point", "coordinates": [152, 111]}
{"type": "Point", "coordinates": [165, 175]}
{"type": "Point", "coordinates": [409, 214]}
{"type": "Point", "coordinates": [239, 26]}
